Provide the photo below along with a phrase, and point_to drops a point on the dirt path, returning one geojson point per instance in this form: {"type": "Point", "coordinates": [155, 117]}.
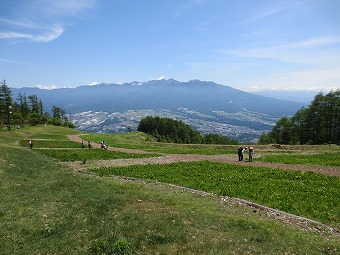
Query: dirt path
{"type": "Point", "coordinates": [173, 158]}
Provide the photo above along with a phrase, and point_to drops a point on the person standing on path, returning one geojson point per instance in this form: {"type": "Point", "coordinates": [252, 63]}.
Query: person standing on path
{"type": "Point", "coordinates": [239, 153]}
{"type": "Point", "coordinates": [251, 151]}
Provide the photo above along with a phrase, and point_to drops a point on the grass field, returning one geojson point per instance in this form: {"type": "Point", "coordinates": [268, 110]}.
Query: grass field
{"type": "Point", "coordinates": [47, 208]}
{"type": "Point", "coordinates": [146, 142]}
{"type": "Point", "coordinates": [93, 154]}
{"type": "Point", "coordinates": [320, 159]}
{"type": "Point", "coordinates": [307, 194]}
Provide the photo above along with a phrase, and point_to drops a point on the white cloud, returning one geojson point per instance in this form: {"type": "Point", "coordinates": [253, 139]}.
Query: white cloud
{"type": "Point", "coordinates": [13, 35]}
{"type": "Point", "coordinates": [11, 61]}
{"type": "Point", "coordinates": [306, 80]}
{"type": "Point", "coordinates": [48, 35]}
{"type": "Point", "coordinates": [93, 83]}
{"type": "Point", "coordinates": [297, 52]}
{"type": "Point", "coordinates": [45, 21]}
{"type": "Point", "coordinates": [161, 78]}
{"type": "Point", "coordinates": [53, 33]}
{"type": "Point", "coordinates": [66, 7]}
{"type": "Point", "coordinates": [48, 87]}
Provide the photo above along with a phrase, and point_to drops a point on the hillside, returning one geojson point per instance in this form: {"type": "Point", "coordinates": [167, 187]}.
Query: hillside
{"type": "Point", "coordinates": [48, 206]}
{"type": "Point", "coordinates": [206, 106]}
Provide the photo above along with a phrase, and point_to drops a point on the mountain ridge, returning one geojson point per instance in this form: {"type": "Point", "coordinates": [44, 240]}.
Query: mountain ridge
{"type": "Point", "coordinates": [207, 104]}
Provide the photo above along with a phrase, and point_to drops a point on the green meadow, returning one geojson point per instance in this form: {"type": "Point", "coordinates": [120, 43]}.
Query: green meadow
{"type": "Point", "coordinates": [48, 208]}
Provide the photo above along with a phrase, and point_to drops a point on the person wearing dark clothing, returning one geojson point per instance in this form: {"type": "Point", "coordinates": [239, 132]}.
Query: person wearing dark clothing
{"type": "Point", "coordinates": [240, 153]}
{"type": "Point", "coordinates": [30, 144]}
{"type": "Point", "coordinates": [89, 144]}
{"type": "Point", "coordinates": [82, 145]}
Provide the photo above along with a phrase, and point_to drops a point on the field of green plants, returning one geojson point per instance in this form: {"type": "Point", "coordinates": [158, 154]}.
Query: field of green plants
{"type": "Point", "coordinates": [307, 194]}
{"type": "Point", "coordinates": [48, 208]}
{"type": "Point", "coordinates": [320, 159]}
{"type": "Point", "coordinates": [92, 154]}
{"type": "Point", "coordinates": [146, 142]}
{"type": "Point", "coordinates": [52, 144]}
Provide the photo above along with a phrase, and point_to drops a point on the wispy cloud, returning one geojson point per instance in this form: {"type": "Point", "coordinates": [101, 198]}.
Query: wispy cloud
{"type": "Point", "coordinates": [66, 7]}
{"type": "Point", "coordinates": [297, 52]}
{"type": "Point", "coordinates": [49, 34]}
{"type": "Point", "coordinates": [44, 22]}
{"type": "Point", "coordinates": [188, 5]}
{"type": "Point", "coordinates": [313, 79]}
{"type": "Point", "coordinates": [11, 61]}
{"type": "Point", "coordinates": [311, 63]}
{"type": "Point", "coordinates": [271, 10]}
{"type": "Point", "coordinates": [264, 14]}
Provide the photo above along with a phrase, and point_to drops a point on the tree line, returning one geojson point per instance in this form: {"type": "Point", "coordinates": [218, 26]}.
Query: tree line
{"type": "Point", "coordinates": [176, 131]}
{"type": "Point", "coordinates": [317, 124]}
{"type": "Point", "coordinates": [27, 110]}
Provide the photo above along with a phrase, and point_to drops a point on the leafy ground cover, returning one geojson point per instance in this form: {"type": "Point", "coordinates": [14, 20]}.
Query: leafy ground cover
{"type": "Point", "coordinates": [146, 142]}
{"type": "Point", "coordinates": [307, 194]}
{"type": "Point", "coordinates": [322, 159]}
{"type": "Point", "coordinates": [92, 154]}
{"type": "Point", "coordinates": [52, 144]}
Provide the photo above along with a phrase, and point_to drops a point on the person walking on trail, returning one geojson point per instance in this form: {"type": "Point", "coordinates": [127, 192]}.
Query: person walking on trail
{"type": "Point", "coordinates": [251, 152]}
{"type": "Point", "coordinates": [89, 144]}
{"type": "Point", "coordinates": [30, 144]}
{"type": "Point", "coordinates": [82, 145]}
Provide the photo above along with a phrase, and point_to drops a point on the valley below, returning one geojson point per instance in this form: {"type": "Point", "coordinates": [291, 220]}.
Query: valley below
{"type": "Point", "coordinates": [243, 126]}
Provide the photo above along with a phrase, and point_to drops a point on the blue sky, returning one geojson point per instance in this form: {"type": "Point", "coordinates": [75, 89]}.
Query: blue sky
{"type": "Point", "coordinates": [246, 44]}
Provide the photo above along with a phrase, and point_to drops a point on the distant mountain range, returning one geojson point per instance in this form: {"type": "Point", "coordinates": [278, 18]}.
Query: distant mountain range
{"type": "Point", "coordinates": [206, 106]}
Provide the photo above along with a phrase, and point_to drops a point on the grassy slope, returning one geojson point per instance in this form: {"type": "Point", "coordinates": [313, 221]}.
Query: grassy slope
{"type": "Point", "coordinates": [142, 141]}
{"type": "Point", "coordinates": [312, 195]}
{"type": "Point", "coordinates": [46, 208]}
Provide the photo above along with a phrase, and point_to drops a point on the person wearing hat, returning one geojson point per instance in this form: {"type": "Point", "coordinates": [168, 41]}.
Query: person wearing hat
{"type": "Point", "coordinates": [250, 152]}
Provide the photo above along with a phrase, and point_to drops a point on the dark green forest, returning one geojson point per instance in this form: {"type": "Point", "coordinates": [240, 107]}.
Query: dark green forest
{"type": "Point", "coordinates": [27, 110]}
{"type": "Point", "coordinates": [319, 123]}
{"type": "Point", "coordinates": [176, 131]}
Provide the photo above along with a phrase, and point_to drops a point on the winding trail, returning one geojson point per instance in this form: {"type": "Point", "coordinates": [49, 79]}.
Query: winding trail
{"type": "Point", "coordinates": [173, 158]}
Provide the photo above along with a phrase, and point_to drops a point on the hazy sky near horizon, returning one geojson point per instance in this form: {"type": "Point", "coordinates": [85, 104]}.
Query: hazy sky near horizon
{"type": "Point", "coordinates": [246, 44]}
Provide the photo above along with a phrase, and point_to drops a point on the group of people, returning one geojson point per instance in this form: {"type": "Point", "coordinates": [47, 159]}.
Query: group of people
{"type": "Point", "coordinates": [102, 145]}
{"type": "Point", "coordinates": [241, 150]}
{"type": "Point", "coordinates": [88, 145]}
